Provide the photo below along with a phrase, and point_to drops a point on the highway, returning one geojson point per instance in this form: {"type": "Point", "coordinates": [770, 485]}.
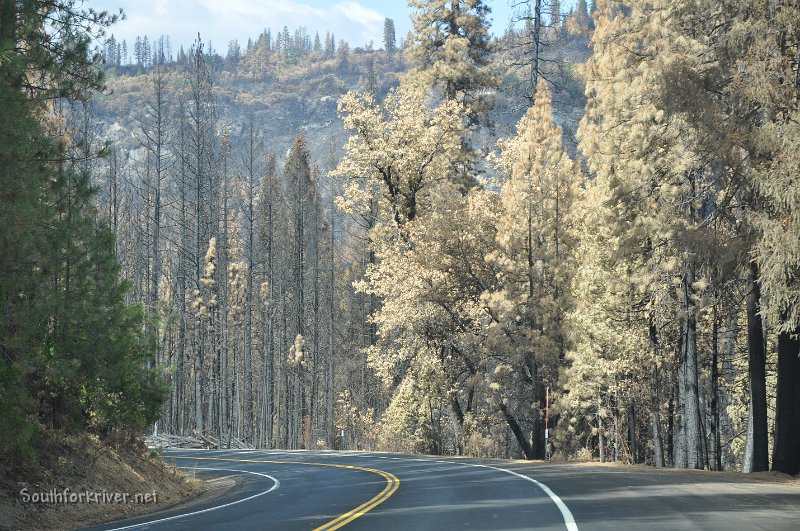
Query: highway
{"type": "Point", "coordinates": [362, 490]}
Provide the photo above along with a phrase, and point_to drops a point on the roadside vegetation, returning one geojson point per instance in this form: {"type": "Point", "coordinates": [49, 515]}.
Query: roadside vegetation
{"type": "Point", "coordinates": [577, 240]}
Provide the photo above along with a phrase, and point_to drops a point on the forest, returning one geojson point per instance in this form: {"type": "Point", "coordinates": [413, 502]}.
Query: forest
{"type": "Point", "coordinates": [577, 240]}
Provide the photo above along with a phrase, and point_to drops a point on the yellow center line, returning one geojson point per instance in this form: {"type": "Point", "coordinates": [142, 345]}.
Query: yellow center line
{"type": "Point", "coordinates": [392, 484]}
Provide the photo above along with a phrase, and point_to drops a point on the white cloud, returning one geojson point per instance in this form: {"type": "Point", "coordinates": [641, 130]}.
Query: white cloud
{"type": "Point", "coordinates": [371, 21]}
{"type": "Point", "coordinates": [221, 21]}
{"type": "Point", "coordinates": [257, 8]}
{"type": "Point", "coordinates": [358, 13]}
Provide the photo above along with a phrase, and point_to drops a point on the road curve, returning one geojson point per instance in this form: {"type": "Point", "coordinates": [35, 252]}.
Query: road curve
{"type": "Point", "coordinates": [328, 490]}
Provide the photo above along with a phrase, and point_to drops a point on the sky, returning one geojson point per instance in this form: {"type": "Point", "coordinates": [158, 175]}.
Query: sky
{"type": "Point", "coordinates": [221, 21]}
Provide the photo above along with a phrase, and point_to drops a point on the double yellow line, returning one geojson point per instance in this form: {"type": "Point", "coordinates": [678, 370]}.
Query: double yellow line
{"type": "Point", "coordinates": [392, 483]}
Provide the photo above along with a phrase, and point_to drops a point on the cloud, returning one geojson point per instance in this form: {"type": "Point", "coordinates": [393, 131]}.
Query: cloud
{"type": "Point", "coordinates": [221, 21]}
{"type": "Point", "coordinates": [358, 13]}
{"type": "Point", "coordinates": [371, 21]}
{"type": "Point", "coordinates": [256, 8]}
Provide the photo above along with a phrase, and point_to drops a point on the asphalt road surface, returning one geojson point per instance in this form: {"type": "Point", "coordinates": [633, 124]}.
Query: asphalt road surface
{"type": "Point", "coordinates": [330, 490]}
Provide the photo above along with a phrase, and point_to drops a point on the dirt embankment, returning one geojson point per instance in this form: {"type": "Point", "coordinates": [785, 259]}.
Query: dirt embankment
{"type": "Point", "coordinates": [80, 481]}
{"type": "Point", "coordinates": [728, 476]}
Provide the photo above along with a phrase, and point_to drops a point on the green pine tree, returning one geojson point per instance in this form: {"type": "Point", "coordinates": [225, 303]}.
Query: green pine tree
{"type": "Point", "coordinates": [73, 353]}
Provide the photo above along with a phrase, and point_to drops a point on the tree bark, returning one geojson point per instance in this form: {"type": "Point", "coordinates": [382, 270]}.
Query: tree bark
{"type": "Point", "coordinates": [786, 449]}
{"type": "Point", "coordinates": [527, 450]}
{"type": "Point", "coordinates": [756, 346]}
{"type": "Point", "coordinates": [655, 403]}
{"type": "Point", "coordinates": [690, 392]}
{"type": "Point", "coordinates": [536, 44]}
{"type": "Point", "coordinates": [716, 446]}
{"type": "Point", "coordinates": [601, 438]}
{"type": "Point", "coordinates": [632, 442]}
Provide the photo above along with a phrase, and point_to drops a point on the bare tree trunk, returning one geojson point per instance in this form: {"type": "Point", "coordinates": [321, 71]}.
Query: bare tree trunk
{"type": "Point", "coordinates": [183, 274]}
{"type": "Point", "coordinates": [669, 453]}
{"type": "Point", "coordinates": [314, 373]}
{"type": "Point", "coordinates": [527, 450]}
{"type": "Point", "coordinates": [633, 446]}
{"type": "Point", "coordinates": [655, 402]}
{"type": "Point", "coordinates": [691, 395]}
{"type": "Point", "coordinates": [716, 446]}
{"type": "Point", "coordinates": [786, 450]}
{"type": "Point", "coordinates": [615, 420]}
{"type": "Point", "coordinates": [680, 458]}
{"type": "Point", "coordinates": [758, 459]}
{"type": "Point", "coordinates": [601, 436]}
{"type": "Point", "coordinates": [330, 366]}
{"type": "Point", "coordinates": [251, 163]}
{"type": "Point", "coordinates": [536, 45]}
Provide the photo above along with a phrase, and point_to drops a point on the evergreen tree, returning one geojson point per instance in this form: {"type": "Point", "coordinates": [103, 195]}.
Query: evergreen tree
{"type": "Point", "coordinates": [534, 260]}
{"type": "Point", "coordinates": [759, 45]}
{"type": "Point", "coordinates": [555, 14]}
{"type": "Point", "coordinates": [343, 56]}
{"type": "Point", "coordinates": [330, 46]}
{"type": "Point", "coordinates": [145, 51]}
{"type": "Point", "coordinates": [450, 46]}
{"type": "Point", "coordinates": [234, 51]}
{"type": "Point", "coordinates": [286, 42]}
{"type": "Point", "coordinates": [86, 367]}
{"type": "Point", "coordinates": [389, 41]}
{"type": "Point", "coordinates": [582, 11]}
{"type": "Point", "coordinates": [317, 44]}
{"type": "Point", "coordinates": [137, 51]}
{"type": "Point", "coordinates": [267, 40]}
{"type": "Point", "coordinates": [635, 134]}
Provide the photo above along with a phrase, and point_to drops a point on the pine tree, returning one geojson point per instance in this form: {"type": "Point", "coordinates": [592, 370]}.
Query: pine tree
{"type": "Point", "coordinates": [450, 46]}
{"type": "Point", "coordinates": [645, 145]}
{"type": "Point", "coordinates": [268, 201]}
{"type": "Point", "coordinates": [317, 44]}
{"type": "Point", "coordinates": [286, 43]}
{"type": "Point", "coordinates": [534, 257]}
{"type": "Point", "coordinates": [762, 45]}
{"type": "Point", "coordinates": [343, 56]}
{"type": "Point", "coordinates": [389, 41]}
{"type": "Point", "coordinates": [555, 14]}
{"type": "Point", "coordinates": [202, 176]}
{"type": "Point", "coordinates": [87, 367]}
{"type": "Point", "coordinates": [582, 10]}
{"type": "Point", "coordinates": [330, 46]}
{"type": "Point", "coordinates": [146, 55]}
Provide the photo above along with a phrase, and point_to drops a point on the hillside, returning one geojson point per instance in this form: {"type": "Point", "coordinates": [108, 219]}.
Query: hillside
{"type": "Point", "coordinates": [291, 96]}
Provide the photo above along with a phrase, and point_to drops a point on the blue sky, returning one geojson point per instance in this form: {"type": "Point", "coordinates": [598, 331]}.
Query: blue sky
{"type": "Point", "coordinates": [220, 21]}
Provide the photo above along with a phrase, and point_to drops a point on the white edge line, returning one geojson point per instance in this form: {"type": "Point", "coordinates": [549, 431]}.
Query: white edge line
{"type": "Point", "coordinates": [275, 486]}
{"type": "Point", "coordinates": [566, 514]}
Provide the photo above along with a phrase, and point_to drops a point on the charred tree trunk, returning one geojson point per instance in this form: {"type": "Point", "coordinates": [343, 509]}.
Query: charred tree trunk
{"type": "Point", "coordinates": [716, 445]}
{"type": "Point", "coordinates": [527, 450]}
{"type": "Point", "coordinates": [655, 403]}
{"type": "Point", "coordinates": [786, 450]}
{"type": "Point", "coordinates": [757, 431]}
{"type": "Point", "coordinates": [690, 391]}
